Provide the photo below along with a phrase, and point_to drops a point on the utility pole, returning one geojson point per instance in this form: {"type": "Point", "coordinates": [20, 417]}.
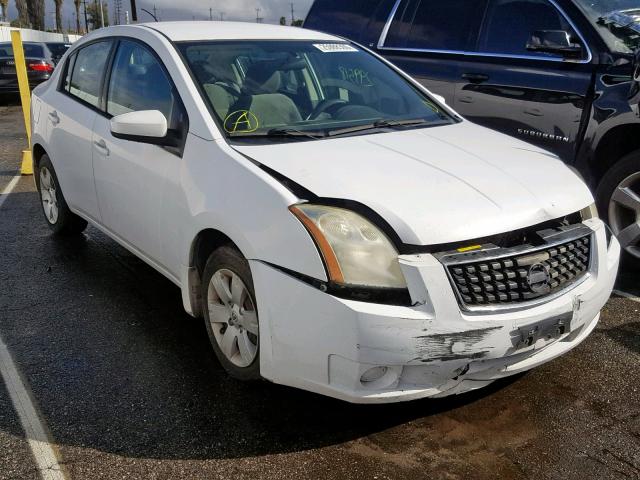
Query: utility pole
{"type": "Point", "coordinates": [293, 18]}
{"type": "Point", "coordinates": [258, 18]}
{"type": "Point", "coordinates": [126, 17]}
{"type": "Point", "coordinates": [222, 16]}
{"type": "Point", "coordinates": [155, 13]}
{"type": "Point", "coordinates": [86, 22]}
{"type": "Point", "coordinates": [134, 13]}
{"type": "Point", "coordinates": [210, 13]}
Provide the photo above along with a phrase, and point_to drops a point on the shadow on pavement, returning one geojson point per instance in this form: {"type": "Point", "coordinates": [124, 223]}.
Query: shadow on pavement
{"type": "Point", "coordinates": [117, 366]}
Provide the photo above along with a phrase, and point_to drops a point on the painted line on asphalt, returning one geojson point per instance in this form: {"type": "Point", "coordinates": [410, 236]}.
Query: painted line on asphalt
{"type": "Point", "coordinates": [34, 428]}
{"type": "Point", "coordinates": [630, 296]}
{"type": "Point", "coordinates": [9, 188]}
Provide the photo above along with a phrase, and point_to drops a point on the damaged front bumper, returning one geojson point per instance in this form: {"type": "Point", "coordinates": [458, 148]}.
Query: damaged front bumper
{"type": "Point", "coordinates": [371, 353]}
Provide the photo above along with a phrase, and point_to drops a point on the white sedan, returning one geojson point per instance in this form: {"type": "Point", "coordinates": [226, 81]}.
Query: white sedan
{"type": "Point", "coordinates": [338, 227]}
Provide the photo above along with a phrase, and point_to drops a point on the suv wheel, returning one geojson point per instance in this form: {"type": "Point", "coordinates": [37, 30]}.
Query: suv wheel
{"type": "Point", "coordinates": [59, 218]}
{"type": "Point", "coordinates": [230, 313]}
{"type": "Point", "coordinates": [619, 202]}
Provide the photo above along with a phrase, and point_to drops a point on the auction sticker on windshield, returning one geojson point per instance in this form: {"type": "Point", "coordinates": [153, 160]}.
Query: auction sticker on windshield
{"type": "Point", "coordinates": [334, 47]}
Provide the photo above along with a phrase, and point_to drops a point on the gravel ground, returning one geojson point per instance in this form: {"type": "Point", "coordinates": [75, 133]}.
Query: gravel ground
{"type": "Point", "coordinates": [129, 387]}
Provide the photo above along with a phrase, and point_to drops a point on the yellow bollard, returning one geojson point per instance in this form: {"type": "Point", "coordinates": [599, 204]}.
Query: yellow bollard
{"type": "Point", "coordinates": [25, 98]}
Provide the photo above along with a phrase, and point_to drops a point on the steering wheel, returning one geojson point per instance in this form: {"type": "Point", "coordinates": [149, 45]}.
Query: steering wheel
{"type": "Point", "coordinates": [325, 106]}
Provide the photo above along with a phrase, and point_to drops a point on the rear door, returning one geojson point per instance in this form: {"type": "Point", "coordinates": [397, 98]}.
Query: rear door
{"type": "Point", "coordinates": [71, 112]}
{"type": "Point", "coordinates": [428, 38]}
{"type": "Point", "coordinates": [539, 97]}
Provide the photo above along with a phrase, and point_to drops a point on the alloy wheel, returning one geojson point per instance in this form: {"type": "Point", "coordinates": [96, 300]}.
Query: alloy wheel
{"type": "Point", "coordinates": [233, 317]}
{"type": "Point", "coordinates": [624, 214]}
{"type": "Point", "coordinates": [48, 195]}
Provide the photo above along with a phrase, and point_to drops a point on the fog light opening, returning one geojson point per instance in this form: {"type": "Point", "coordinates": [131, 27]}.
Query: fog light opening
{"type": "Point", "coordinates": [373, 374]}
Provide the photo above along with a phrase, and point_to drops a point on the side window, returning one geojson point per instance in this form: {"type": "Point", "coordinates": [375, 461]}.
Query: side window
{"type": "Point", "coordinates": [69, 70]}
{"type": "Point", "coordinates": [510, 23]}
{"type": "Point", "coordinates": [88, 71]}
{"type": "Point", "coordinates": [437, 25]}
{"type": "Point", "coordinates": [138, 82]}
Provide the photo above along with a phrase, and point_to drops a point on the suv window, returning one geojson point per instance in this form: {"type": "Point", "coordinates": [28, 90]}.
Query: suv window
{"type": "Point", "coordinates": [510, 23]}
{"type": "Point", "coordinates": [436, 25]}
{"type": "Point", "coordinates": [138, 82]}
{"type": "Point", "coordinates": [88, 72]}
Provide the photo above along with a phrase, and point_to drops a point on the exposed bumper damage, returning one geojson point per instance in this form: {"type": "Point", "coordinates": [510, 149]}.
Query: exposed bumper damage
{"type": "Point", "coordinates": [372, 353]}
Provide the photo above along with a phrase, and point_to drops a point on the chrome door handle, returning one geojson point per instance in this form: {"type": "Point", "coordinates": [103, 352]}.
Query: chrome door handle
{"type": "Point", "coordinates": [101, 146]}
{"type": "Point", "coordinates": [53, 116]}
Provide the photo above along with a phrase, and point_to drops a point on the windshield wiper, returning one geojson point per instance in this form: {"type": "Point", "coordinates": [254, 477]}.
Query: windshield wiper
{"type": "Point", "coordinates": [281, 133]}
{"type": "Point", "coordinates": [382, 123]}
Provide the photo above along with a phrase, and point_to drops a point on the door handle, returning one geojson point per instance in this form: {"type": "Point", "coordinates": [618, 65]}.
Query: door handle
{"type": "Point", "coordinates": [54, 118]}
{"type": "Point", "coordinates": [101, 146]}
{"type": "Point", "coordinates": [475, 77]}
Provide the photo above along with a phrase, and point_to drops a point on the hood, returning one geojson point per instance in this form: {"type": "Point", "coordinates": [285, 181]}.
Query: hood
{"type": "Point", "coordinates": [435, 185]}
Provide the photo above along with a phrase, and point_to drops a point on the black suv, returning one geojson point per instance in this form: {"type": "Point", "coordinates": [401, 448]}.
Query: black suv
{"type": "Point", "coordinates": [557, 73]}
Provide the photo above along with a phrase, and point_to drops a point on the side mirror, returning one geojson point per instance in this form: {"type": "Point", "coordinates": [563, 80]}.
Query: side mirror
{"type": "Point", "coordinates": [554, 41]}
{"type": "Point", "coordinates": [145, 126]}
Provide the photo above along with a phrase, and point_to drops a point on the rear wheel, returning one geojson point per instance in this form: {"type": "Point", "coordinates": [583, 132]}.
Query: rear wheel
{"type": "Point", "coordinates": [59, 218]}
{"type": "Point", "coordinates": [230, 313]}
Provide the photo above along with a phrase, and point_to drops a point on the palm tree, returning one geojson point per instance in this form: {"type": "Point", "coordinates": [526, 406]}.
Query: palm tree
{"type": "Point", "coordinates": [58, 15]}
{"type": "Point", "coordinates": [5, 9]}
{"type": "Point", "coordinates": [76, 3]}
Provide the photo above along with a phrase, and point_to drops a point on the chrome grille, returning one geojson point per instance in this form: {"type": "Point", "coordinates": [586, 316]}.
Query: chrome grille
{"type": "Point", "coordinates": [492, 278]}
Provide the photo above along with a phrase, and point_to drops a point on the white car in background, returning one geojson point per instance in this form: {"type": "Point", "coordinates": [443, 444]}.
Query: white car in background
{"type": "Point", "coordinates": [339, 228]}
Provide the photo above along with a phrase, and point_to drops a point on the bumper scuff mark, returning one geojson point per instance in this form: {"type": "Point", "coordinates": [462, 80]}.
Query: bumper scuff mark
{"type": "Point", "coordinates": [455, 345]}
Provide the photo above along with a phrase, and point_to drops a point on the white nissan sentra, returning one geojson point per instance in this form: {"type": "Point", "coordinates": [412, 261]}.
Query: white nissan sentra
{"type": "Point", "coordinates": [338, 227]}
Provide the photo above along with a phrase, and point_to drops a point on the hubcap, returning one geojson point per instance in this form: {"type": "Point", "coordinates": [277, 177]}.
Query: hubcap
{"type": "Point", "coordinates": [624, 214]}
{"type": "Point", "coordinates": [48, 195]}
{"type": "Point", "coordinates": [233, 318]}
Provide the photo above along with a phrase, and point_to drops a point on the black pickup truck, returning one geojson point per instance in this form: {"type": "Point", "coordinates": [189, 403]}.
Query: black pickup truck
{"type": "Point", "coordinates": [558, 73]}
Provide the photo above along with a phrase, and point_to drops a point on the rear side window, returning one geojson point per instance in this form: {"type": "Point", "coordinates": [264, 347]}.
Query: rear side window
{"type": "Point", "coordinates": [510, 23]}
{"type": "Point", "coordinates": [340, 17]}
{"type": "Point", "coordinates": [436, 25]}
{"type": "Point", "coordinates": [87, 72]}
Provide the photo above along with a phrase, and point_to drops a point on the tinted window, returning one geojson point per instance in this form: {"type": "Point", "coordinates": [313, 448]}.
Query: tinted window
{"type": "Point", "coordinates": [58, 49]}
{"type": "Point", "coordinates": [88, 72]}
{"type": "Point", "coordinates": [138, 82]}
{"type": "Point", "coordinates": [437, 25]}
{"type": "Point", "coordinates": [510, 23]}
{"type": "Point", "coordinates": [340, 17]}
{"type": "Point", "coordinates": [30, 50]}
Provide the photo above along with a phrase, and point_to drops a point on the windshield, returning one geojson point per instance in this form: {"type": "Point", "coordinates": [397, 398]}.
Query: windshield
{"type": "Point", "coordinates": [30, 50]}
{"type": "Point", "coordinates": [304, 89]}
{"type": "Point", "coordinates": [617, 20]}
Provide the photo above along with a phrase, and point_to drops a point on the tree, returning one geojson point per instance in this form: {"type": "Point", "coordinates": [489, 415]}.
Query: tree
{"type": "Point", "coordinates": [93, 12]}
{"type": "Point", "coordinates": [5, 9]}
{"type": "Point", "coordinates": [23, 15]}
{"type": "Point", "coordinates": [58, 4]}
{"type": "Point", "coordinates": [76, 4]}
{"type": "Point", "coordinates": [283, 21]}
{"type": "Point", "coordinates": [35, 9]}
{"type": "Point", "coordinates": [296, 23]}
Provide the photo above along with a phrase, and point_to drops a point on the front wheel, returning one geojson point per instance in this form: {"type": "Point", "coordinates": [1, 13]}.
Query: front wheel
{"type": "Point", "coordinates": [230, 313]}
{"type": "Point", "coordinates": [619, 203]}
{"type": "Point", "coordinates": [59, 217]}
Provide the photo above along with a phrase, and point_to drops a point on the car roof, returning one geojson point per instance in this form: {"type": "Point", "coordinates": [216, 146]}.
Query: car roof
{"type": "Point", "coordinates": [214, 30]}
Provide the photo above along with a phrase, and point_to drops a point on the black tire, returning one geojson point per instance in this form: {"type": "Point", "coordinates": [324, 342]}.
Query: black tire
{"type": "Point", "coordinates": [229, 258]}
{"type": "Point", "coordinates": [65, 222]}
{"type": "Point", "coordinates": [625, 167]}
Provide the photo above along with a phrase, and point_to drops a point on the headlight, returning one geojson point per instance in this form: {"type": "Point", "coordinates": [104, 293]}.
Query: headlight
{"type": "Point", "coordinates": [355, 251]}
{"type": "Point", "coordinates": [589, 212]}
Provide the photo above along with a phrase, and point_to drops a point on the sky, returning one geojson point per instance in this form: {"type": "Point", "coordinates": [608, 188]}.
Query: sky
{"type": "Point", "coordinates": [242, 10]}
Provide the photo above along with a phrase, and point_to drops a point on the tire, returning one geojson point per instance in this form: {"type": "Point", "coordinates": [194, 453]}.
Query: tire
{"type": "Point", "coordinates": [620, 210]}
{"type": "Point", "coordinates": [54, 207]}
{"type": "Point", "coordinates": [230, 313]}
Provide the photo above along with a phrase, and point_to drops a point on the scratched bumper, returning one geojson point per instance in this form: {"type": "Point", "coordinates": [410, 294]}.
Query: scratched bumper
{"type": "Point", "coordinates": [324, 344]}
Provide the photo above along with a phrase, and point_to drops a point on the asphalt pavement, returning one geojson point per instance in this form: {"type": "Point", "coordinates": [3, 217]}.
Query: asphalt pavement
{"type": "Point", "coordinates": [128, 386]}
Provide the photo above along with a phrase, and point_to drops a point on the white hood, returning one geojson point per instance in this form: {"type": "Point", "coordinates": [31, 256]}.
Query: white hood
{"type": "Point", "coordinates": [435, 185]}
